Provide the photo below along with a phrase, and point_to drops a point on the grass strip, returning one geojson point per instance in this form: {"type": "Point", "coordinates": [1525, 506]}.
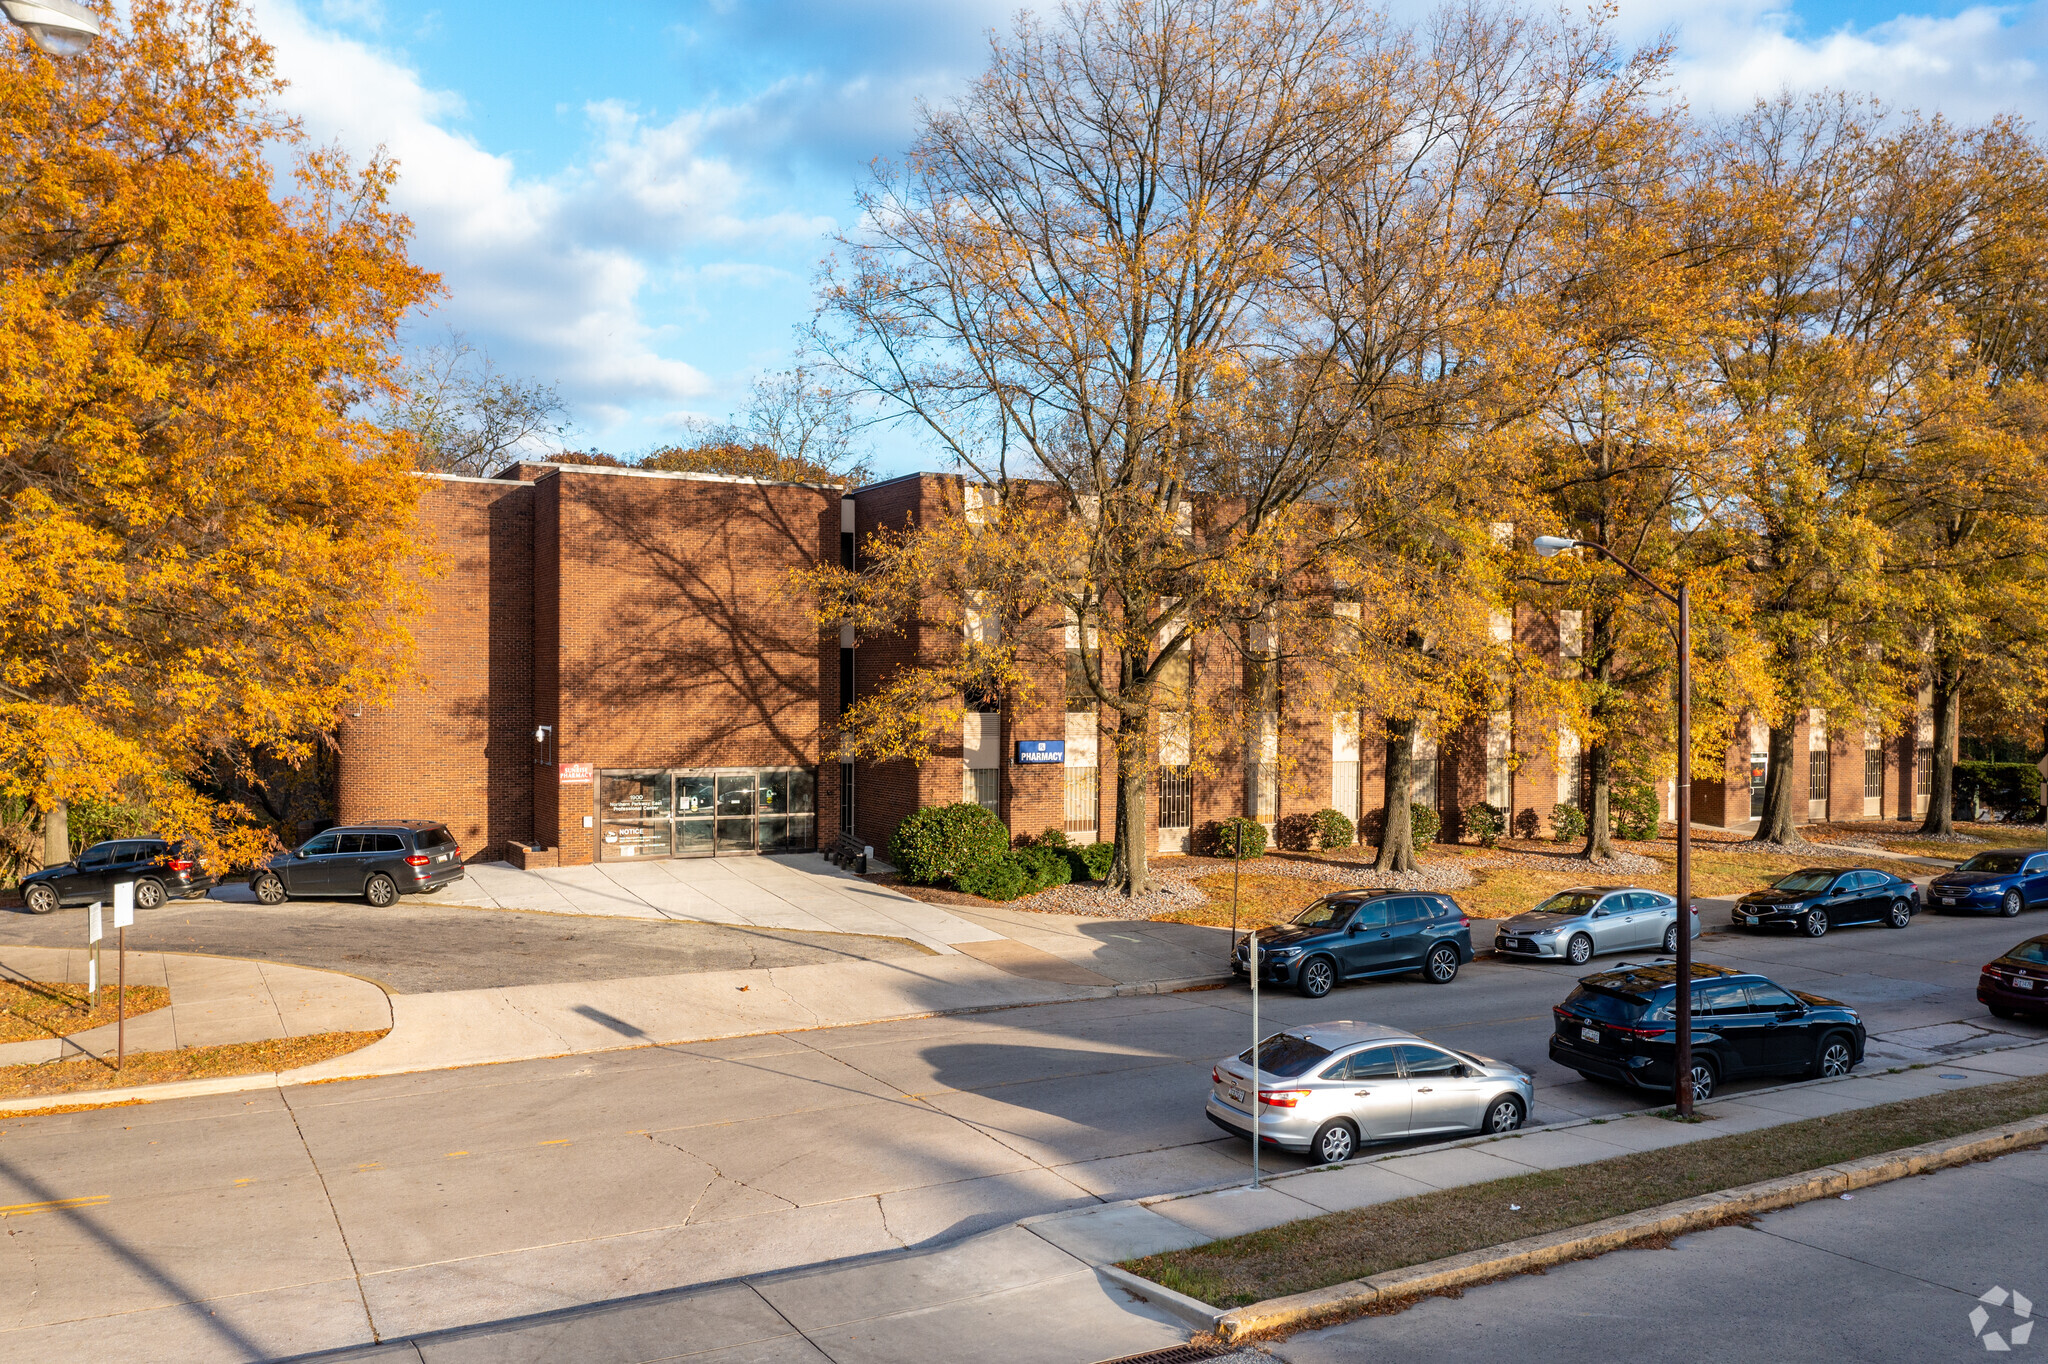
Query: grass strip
{"type": "Point", "coordinates": [1341, 1246]}
{"type": "Point", "coordinates": [83, 1074]}
{"type": "Point", "coordinates": [32, 1010]}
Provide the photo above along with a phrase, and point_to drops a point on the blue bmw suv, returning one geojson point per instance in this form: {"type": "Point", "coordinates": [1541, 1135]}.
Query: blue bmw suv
{"type": "Point", "coordinates": [2003, 882]}
{"type": "Point", "coordinates": [1355, 934]}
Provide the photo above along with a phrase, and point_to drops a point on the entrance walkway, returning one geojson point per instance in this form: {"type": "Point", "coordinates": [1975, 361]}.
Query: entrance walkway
{"type": "Point", "coordinates": [794, 891]}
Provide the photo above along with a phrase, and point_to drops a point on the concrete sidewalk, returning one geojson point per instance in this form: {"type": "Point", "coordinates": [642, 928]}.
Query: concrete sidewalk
{"type": "Point", "coordinates": [215, 1001]}
{"type": "Point", "coordinates": [1036, 1292]}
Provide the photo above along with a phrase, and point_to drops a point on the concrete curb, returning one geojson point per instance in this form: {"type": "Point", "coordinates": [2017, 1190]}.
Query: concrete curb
{"type": "Point", "coordinates": [1302, 1311]}
{"type": "Point", "coordinates": [1193, 1311]}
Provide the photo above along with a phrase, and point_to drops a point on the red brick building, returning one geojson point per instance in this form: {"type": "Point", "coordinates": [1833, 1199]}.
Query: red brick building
{"type": "Point", "coordinates": [619, 664]}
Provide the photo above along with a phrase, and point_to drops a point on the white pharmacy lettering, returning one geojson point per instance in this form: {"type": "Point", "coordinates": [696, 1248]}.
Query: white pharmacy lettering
{"type": "Point", "coordinates": [2018, 1332]}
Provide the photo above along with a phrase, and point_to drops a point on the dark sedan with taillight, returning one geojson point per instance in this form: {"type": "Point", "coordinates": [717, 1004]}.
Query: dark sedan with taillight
{"type": "Point", "coordinates": [1619, 1026]}
{"type": "Point", "coordinates": [2017, 983]}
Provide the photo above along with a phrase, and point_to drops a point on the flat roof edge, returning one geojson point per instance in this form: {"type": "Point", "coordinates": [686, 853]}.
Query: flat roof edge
{"type": "Point", "coordinates": [669, 474]}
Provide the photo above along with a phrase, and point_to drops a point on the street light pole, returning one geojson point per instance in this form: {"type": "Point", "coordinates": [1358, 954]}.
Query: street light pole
{"type": "Point", "coordinates": [61, 28]}
{"type": "Point", "coordinates": [1681, 1080]}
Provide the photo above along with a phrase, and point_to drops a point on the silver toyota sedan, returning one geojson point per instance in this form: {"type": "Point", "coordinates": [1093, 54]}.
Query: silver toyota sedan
{"type": "Point", "coordinates": [1574, 924]}
{"type": "Point", "coordinates": [1328, 1088]}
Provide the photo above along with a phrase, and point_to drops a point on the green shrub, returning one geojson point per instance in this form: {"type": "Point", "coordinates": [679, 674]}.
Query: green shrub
{"type": "Point", "coordinates": [1051, 838]}
{"type": "Point", "coordinates": [946, 842]}
{"type": "Point", "coordinates": [1567, 822]}
{"type": "Point", "coordinates": [1045, 867]}
{"type": "Point", "coordinates": [1219, 838]}
{"type": "Point", "coordinates": [1295, 833]}
{"type": "Point", "coordinates": [1632, 811]}
{"type": "Point", "coordinates": [2008, 788]}
{"type": "Point", "coordinates": [1424, 824]}
{"type": "Point", "coordinates": [1000, 878]}
{"type": "Point", "coordinates": [1334, 829]}
{"type": "Point", "coordinates": [1485, 822]}
{"type": "Point", "coordinates": [1092, 863]}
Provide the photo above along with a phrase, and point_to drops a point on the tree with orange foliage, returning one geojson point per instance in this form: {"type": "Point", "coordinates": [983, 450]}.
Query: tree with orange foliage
{"type": "Point", "coordinates": [202, 549]}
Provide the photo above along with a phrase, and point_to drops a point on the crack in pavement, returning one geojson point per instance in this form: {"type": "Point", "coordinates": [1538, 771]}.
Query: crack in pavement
{"type": "Point", "coordinates": [327, 1193]}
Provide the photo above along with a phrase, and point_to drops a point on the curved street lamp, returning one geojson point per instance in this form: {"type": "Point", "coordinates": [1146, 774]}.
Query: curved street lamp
{"type": "Point", "coordinates": [61, 28]}
{"type": "Point", "coordinates": [1681, 1080]}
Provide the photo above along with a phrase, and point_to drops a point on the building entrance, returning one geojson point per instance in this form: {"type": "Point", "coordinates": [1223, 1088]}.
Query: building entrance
{"type": "Point", "coordinates": [705, 812]}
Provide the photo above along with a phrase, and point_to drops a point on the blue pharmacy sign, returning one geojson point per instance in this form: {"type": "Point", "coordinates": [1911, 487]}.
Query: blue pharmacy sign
{"type": "Point", "coordinates": [1034, 751]}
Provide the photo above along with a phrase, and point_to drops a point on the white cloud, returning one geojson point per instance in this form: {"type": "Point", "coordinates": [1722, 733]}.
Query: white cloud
{"type": "Point", "coordinates": [552, 276]}
{"type": "Point", "coordinates": [1982, 61]}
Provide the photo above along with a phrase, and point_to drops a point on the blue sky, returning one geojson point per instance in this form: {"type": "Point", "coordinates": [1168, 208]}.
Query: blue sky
{"type": "Point", "coordinates": [631, 202]}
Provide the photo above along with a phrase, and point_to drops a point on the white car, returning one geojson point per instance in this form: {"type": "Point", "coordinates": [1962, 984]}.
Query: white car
{"type": "Point", "coordinates": [1574, 925]}
{"type": "Point", "coordinates": [1329, 1088]}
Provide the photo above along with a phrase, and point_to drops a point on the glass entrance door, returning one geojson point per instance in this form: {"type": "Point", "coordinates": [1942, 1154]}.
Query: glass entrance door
{"type": "Point", "coordinates": [706, 813]}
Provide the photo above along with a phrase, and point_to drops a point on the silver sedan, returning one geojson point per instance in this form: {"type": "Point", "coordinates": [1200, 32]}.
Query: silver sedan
{"type": "Point", "coordinates": [1574, 924]}
{"type": "Point", "coordinates": [1329, 1088]}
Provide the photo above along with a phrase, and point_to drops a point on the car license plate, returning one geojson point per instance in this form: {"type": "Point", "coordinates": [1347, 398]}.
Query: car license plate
{"type": "Point", "coordinates": [1948, 899]}
{"type": "Point", "coordinates": [1590, 1034]}
{"type": "Point", "coordinates": [2023, 983]}
{"type": "Point", "coordinates": [1237, 1096]}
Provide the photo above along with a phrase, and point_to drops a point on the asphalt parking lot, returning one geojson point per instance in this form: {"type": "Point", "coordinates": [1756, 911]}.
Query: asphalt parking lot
{"type": "Point", "coordinates": [419, 947]}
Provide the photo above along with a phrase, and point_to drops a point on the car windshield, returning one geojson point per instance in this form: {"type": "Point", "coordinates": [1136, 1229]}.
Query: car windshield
{"type": "Point", "coordinates": [2035, 952]}
{"type": "Point", "coordinates": [1995, 862]}
{"type": "Point", "coordinates": [1286, 1054]}
{"type": "Point", "coordinates": [1325, 914]}
{"type": "Point", "coordinates": [1805, 882]}
{"type": "Point", "coordinates": [1569, 902]}
{"type": "Point", "coordinates": [1606, 1005]}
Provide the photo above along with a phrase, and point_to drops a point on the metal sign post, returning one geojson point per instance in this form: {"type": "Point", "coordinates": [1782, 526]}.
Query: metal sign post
{"type": "Point", "coordinates": [92, 955]}
{"type": "Point", "coordinates": [124, 915]}
{"type": "Point", "coordinates": [1254, 963]}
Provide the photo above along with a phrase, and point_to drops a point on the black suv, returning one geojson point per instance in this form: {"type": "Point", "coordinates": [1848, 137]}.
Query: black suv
{"type": "Point", "coordinates": [159, 868]}
{"type": "Point", "coordinates": [1354, 934]}
{"type": "Point", "coordinates": [1618, 1026]}
{"type": "Point", "coordinates": [379, 862]}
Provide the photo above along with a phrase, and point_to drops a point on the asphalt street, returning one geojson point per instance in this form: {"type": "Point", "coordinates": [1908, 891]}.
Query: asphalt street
{"type": "Point", "coordinates": [430, 1200]}
{"type": "Point", "coordinates": [1894, 1273]}
{"type": "Point", "coordinates": [418, 947]}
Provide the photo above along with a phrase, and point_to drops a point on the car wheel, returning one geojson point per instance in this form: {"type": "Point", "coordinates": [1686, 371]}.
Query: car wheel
{"type": "Point", "coordinates": [1579, 950]}
{"type": "Point", "coordinates": [1334, 1143]}
{"type": "Point", "coordinates": [149, 894]}
{"type": "Point", "coordinates": [41, 899]}
{"type": "Point", "coordinates": [1671, 941]}
{"type": "Point", "coordinates": [1835, 1057]}
{"type": "Point", "coordinates": [1814, 924]}
{"type": "Point", "coordinates": [2010, 905]}
{"type": "Point", "coordinates": [1318, 974]}
{"type": "Point", "coordinates": [380, 892]}
{"type": "Point", "coordinates": [2000, 1011]}
{"type": "Point", "coordinates": [1442, 966]}
{"type": "Point", "coordinates": [1505, 1115]}
{"type": "Point", "coordinates": [1702, 1080]}
{"type": "Point", "coordinates": [1901, 914]}
{"type": "Point", "coordinates": [269, 888]}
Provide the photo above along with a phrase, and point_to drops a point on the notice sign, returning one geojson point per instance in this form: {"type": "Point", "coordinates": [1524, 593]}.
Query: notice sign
{"type": "Point", "coordinates": [1031, 752]}
{"type": "Point", "coordinates": [576, 774]}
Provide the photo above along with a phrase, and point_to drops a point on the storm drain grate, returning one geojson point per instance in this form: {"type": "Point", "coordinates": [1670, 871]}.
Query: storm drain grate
{"type": "Point", "coordinates": [1177, 1354]}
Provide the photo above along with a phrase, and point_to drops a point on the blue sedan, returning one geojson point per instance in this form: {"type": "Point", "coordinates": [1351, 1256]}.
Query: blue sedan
{"type": "Point", "coordinates": [2003, 882]}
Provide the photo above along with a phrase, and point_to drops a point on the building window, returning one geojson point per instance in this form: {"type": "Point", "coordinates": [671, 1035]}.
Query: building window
{"type": "Point", "coordinates": [684, 813]}
{"type": "Point", "coordinates": [846, 798]}
{"type": "Point", "coordinates": [1817, 774]}
{"type": "Point", "coordinates": [1176, 801]}
{"type": "Point", "coordinates": [1266, 792]}
{"type": "Point", "coordinates": [1083, 797]}
{"type": "Point", "coordinates": [1873, 773]}
{"type": "Point", "coordinates": [983, 786]}
{"type": "Point", "coordinates": [1344, 781]}
{"type": "Point", "coordinates": [1923, 773]}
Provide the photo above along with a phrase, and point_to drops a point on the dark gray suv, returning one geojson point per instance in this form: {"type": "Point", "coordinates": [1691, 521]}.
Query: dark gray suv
{"type": "Point", "coordinates": [379, 862]}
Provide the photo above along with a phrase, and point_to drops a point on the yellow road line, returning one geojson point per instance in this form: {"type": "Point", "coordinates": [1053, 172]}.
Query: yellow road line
{"type": "Point", "coordinates": [452, 1154]}
{"type": "Point", "coordinates": [55, 1205]}
{"type": "Point", "coordinates": [559, 1141]}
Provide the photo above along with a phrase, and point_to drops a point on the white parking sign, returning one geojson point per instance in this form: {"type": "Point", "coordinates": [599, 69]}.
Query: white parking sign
{"type": "Point", "coordinates": [124, 904]}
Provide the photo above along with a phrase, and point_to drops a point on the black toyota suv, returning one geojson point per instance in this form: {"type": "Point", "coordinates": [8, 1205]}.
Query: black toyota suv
{"type": "Point", "coordinates": [379, 862]}
{"type": "Point", "coordinates": [161, 870]}
{"type": "Point", "coordinates": [1618, 1026]}
{"type": "Point", "coordinates": [1355, 934]}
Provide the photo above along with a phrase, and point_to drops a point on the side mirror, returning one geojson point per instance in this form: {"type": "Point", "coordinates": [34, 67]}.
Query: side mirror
{"type": "Point", "coordinates": [1356, 927]}
{"type": "Point", "coordinates": [1599, 914]}
{"type": "Point", "coordinates": [1793, 1011]}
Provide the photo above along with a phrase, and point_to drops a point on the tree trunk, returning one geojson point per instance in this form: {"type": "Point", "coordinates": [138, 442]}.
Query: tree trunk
{"type": "Point", "coordinates": [1127, 872]}
{"type": "Point", "coordinates": [1599, 773]}
{"type": "Point", "coordinates": [57, 835]}
{"type": "Point", "coordinates": [1777, 826]}
{"type": "Point", "coordinates": [1948, 694]}
{"type": "Point", "coordinates": [1397, 838]}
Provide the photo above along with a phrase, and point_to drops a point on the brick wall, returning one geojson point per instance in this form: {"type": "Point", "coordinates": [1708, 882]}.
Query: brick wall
{"type": "Point", "coordinates": [459, 747]}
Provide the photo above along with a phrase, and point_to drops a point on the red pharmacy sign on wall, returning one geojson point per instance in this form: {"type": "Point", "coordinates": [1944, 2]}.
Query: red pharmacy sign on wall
{"type": "Point", "coordinates": [577, 774]}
